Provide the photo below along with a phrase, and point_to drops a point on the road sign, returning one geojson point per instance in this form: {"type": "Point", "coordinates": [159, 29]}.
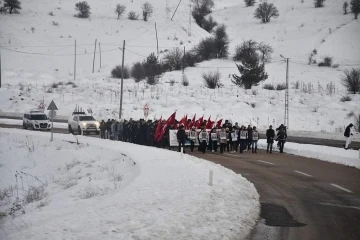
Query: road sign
{"type": "Point", "coordinates": [52, 114]}
{"type": "Point", "coordinates": [52, 106]}
{"type": "Point", "coordinates": [146, 110]}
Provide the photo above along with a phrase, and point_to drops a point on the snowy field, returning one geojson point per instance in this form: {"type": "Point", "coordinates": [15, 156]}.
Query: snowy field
{"type": "Point", "coordinates": [100, 189]}
{"type": "Point", "coordinates": [315, 106]}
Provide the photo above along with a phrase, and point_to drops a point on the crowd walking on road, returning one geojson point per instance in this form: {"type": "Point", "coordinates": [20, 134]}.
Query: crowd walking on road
{"type": "Point", "coordinates": [225, 138]}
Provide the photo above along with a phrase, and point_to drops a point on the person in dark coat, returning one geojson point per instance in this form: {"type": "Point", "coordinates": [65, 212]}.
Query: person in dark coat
{"type": "Point", "coordinates": [282, 138]}
{"type": "Point", "coordinates": [249, 140]}
{"type": "Point", "coordinates": [192, 137]}
{"type": "Point", "coordinates": [270, 134]}
{"type": "Point", "coordinates": [347, 135]}
{"type": "Point", "coordinates": [181, 137]}
{"type": "Point", "coordinates": [108, 129]}
{"type": "Point", "coordinates": [102, 129]}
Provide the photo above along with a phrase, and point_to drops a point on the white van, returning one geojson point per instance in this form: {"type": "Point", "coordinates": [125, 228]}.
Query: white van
{"type": "Point", "coordinates": [36, 120]}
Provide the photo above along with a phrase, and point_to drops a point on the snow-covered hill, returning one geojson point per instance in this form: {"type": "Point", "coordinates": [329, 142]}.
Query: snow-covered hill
{"type": "Point", "coordinates": [299, 30]}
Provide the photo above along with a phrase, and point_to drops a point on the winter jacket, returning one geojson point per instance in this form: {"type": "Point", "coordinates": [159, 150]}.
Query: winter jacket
{"type": "Point", "coordinates": [181, 135]}
{"type": "Point", "coordinates": [347, 132]}
{"type": "Point", "coordinates": [255, 135]}
{"type": "Point", "coordinates": [222, 140]}
{"type": "Point", "coordinates": [282, 134]}
{"type": "Point", "coordinates": [270, 134]}
{"type": "Point", "coordinates": [249, 130]}
{"type": "Point", "coordinates": [102, 126]}
{"type": "Point", "coordinates": [243, 135]}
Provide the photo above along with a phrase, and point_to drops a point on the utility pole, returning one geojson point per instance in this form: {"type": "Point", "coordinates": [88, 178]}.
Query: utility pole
{"type": "Point", "coordinates": [157, 41]}
{"type": "Point", "coordinates": [100, 54]}
{"type": "Point", "coordinates": [183, 67]}
{"type": "Point", "coordinates": [0, 69]}
{"type": "Point", "coordinates": [94, 56]}
{"type": "Point", "coordinates": [122, 80]}
{"type": "Point", "coordinates": [75, 62]}
{"type": "Point", "coordinates": [175, 10]}
{"type": "Point", "coordinates": [189, 28]}
{"type": "Point", "coordinates": [286, 116]}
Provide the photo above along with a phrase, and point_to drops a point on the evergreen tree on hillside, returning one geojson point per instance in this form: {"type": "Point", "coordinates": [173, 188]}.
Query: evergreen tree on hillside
{"type": "Point", "coordinates": [355, 7]}
{"type": "Point", "coordinates": [319, 3]}
{"type": "Point", "coordinates": [152, 68]}
{"type": "Point", "coordinates": [249, 3]}
{"type": "Point", "coordinates": [12, 5]}
{"type": "Point", "coordinates": [252, 73]}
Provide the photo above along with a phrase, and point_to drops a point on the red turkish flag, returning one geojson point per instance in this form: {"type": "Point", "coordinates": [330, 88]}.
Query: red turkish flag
{"type": "Point", "coordinates": [199, 122]}
{"type": "Point", "coordinates": [218, 123]}
{"type": "Point", "coordinates": [158, 128]}
{"type": "Point", "coordinates": [192, 123]}
{"type": "Point", "coordinates": [168, 122]}
{"type": "Point", "coordinates": [209, 123]}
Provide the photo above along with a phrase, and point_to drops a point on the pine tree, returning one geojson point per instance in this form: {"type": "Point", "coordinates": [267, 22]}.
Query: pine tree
{"type": "Point", "coordinates": [152, 68]}
{"type": "Point", "coordinates": [12, 5]}
{"type": "Point", "coordinates": [355, 7]}
{"type": "Point", "coordinates": [252, 73]}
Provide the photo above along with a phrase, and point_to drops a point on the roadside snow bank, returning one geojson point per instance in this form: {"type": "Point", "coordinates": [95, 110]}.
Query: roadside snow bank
{"type": "Point", "coordinates": [101, 189]}
{"type": "Point", "coordinates": [20, 123]}
{"type": "Point", "coordinates": [329, 154]}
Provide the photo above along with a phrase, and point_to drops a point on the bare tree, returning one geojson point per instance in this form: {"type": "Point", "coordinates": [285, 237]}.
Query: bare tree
{"type": "Point", "coordinates": [133, 16]}
{"type": "Point", "coordinates": [212, 79]}
{"type": "Point", "coordinates": [266, 11]}
{"type": "Point", "coordinates": [120, 9]}
{"type": "Point", "coordinates": [201, 9]}
{"type": "Point", "coordinates": [83, 8]}
{"type": "Point", "coordinates": [266, 50]}
{"type": "Point", "coordinates": [174, 59]}
{"type": "Point", "coordinates": [351, 80]}
{"type": "Point", "coordinates": [246, 51]}
{"type": "Point", "coordinates": [147, 9]}
{"type": "Point", "coordinates": [355, 7]}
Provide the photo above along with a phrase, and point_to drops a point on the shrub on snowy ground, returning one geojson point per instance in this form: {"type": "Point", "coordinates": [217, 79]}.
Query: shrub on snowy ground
{"type": "Point", "coordinates": [252, 73]}
{"type": "Point", "coordinates": [345, 99]}
{"type": "Point", "coordinates": [350, 114]}
{"type": "Point", "coordinates": [345, 8]}
{"type": "Point", "coordinates": [269, 86]}
{"type": "Point", "coordinates": [327, 62]}
{"type": "Point", "coordinates": [319, 3]}
{"type": "Point", "coordinates": [249, 3]}
{"type": "Point", "coordinates": [281, 86]}
{"type": "Point", "coordinates": [119, 10]}
{"type": "Point", "coordinates": [83, 8]}
{"type": "Point", "coordinates": [204, 50]}
{"type": "Point", "coordinates": [12, 5]}
{"type": "Point", "coordinates": [221, 42]}
{"type": "Point", "coordinates": [133, 16]}
{"type": "Point", "coordinates": [55, 23]}
{"type": "Point", "coordinates": [172, 82]}
{"type": "Point", "coordinates": [246, 51]}
{"type": "Point", "coordinates": [56, 85]}
{"type": "Point", "coordinates": [209, 24]}
{"type": "Point", "coordinates": [184, 81]}
{"type": "Point", "coordinates": [351, 80]}
{"type": "Point", "coordinates": [51, 14]}
{"type": "Point", "coordinates": [200, 9]}
{"type": "Point", "coordinates": [253, 105]}
{"type": "Point", "coordinates": [211, 79]}
{"type": "Point", "coordinates": [266, 11]}
{"type": "Point", "coordinates": [174, 59]}
{"type": "Point", "coordinates": [147, 10]}
{"type": "Point", "coordinates": [138, 72]}
{"type": "Point", "coordinates": [190, 59]}
{"type": "Point", "coordinates": [117, 71]}
{"type": "Point", "coordinates": [35, 194]}
{"type": "Point", "coordinates": [355, 7]}
{"type": "Point", "coordinates": [357, 123]}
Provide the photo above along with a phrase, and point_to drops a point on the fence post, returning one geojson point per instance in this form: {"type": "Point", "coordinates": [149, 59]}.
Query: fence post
{"type": "Point", "coordinates": [210, 177]}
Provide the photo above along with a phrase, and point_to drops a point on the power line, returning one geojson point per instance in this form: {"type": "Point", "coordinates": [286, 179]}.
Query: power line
{"type": "Point", "coordinates": [56, 55]}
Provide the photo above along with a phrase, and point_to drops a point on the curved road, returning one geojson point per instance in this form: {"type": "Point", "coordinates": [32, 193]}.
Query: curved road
{"type": "Point", "coordinates": [301, 198]}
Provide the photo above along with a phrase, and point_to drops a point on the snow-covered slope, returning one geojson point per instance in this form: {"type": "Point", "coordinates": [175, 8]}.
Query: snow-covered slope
{"type": "Point", "coordinates": [299, 30]}
{"type": "Point", "coordinates": [112, 190]}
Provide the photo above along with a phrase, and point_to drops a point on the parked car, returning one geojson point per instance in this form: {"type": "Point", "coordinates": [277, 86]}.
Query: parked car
{"type": "Point", "coordinates": [81, 122]}
{"type": "Point", "coordinates": [36, 120]}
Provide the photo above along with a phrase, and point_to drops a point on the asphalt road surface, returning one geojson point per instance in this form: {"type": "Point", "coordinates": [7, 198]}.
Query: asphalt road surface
{"type": "Point", "coordinates": [301, 198]}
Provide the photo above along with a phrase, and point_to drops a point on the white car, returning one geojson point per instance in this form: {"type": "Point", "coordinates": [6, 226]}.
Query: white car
{"type": "Point", "coordinates": [36, 120]}
{"type": "Point", "coordinates": [80, 122]}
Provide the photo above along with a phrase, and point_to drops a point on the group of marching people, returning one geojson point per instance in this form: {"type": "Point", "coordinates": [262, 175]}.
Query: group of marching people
{"type": "Point", "coordinates": [230, 138]}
